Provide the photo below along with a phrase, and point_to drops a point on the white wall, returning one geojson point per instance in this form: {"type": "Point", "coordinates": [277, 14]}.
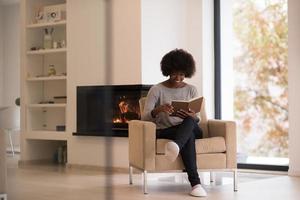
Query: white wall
{"type": "Point", "coordinates": [86, 66]}
{"type": "Point", "coordinates": [208, 57]}
{"type": "Point", "coordinates": [126, 42]}
{"type": "Point", "coordinates": [194, 42]}
{"type": "Point", "coordinates": [167, 25]}
{"type": "Point", "coordinates": [1, 56]}
{"type": "Point", "coordinates": [10, 60]}
{"type": "Point", "coordinates": [294, 82]}
{"type": "Point", "coordinates": [163, 29]}
{"type": "Point", "coordinates": [227, 81]}
{"type": "Point", "coordinates": [11, 53]}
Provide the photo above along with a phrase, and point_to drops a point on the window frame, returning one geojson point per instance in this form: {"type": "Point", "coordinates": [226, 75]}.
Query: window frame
{"type": "Point", "coordinates": [218, 91]}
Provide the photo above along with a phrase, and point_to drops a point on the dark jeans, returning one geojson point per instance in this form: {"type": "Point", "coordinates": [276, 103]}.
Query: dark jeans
{"type": "Point", "coordinates": [184, 136]}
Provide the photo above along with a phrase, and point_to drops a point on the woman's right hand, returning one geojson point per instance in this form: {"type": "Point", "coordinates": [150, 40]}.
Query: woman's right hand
{"type": "Point", "coordinates": [167, 108]}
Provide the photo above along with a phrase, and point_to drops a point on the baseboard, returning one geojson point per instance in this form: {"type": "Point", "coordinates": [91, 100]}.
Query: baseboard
{"type": "Point", "coordinates": [294, 172]}
{"type": "Point", "coordinates": [97, 168]}
{"type": "Point", "coordinates": [24, 163]}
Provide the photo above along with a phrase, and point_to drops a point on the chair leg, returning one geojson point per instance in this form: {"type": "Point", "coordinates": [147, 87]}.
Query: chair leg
{"type": "Point", "coordinates": [145, 182]}
{"type": "Point", "coordinates": [11, 142]}
{"type": "Point", "coordinates": [235, 180]}
{"type": "Point", "coordinates": [212, 177]}
{"type": "Point", "coordinates": [130, 175]}
{"type": "Point", "coordinates": [3, 197]}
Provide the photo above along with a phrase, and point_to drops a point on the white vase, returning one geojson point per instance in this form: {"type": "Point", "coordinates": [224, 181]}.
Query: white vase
{"type": "Point", "coordinates": [47, 41]}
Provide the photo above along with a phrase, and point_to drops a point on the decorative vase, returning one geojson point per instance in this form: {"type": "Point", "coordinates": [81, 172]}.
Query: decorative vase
{"type": "Point", "coordinates": [48, 39]}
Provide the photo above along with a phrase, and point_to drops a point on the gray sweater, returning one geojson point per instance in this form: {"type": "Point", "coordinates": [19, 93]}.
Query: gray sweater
{"type": "Point", "coordinates": [159, 95]}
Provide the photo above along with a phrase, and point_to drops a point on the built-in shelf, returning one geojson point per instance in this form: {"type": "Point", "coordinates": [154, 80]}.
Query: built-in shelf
{"type": "Point", "coordinates": [43, 96]}
{"type": "Point", "coordinates": [46, 51]}
{"type": "Point", "coordinates": [44, 25]}
{"type": "Point", "coordinates": [49, 105]}
{"type": "Point", "coordinates": [46, 135]}
{"type": "Point", "coordinates": [47, 78]}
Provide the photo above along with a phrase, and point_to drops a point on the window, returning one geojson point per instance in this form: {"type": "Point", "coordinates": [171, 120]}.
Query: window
{"type": "Point", "coordinates": [254, 78]}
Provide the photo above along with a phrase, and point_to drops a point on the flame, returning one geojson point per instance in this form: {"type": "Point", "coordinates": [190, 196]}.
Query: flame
{"type": "Point", "coordinates": [119, 120]}
{"type": "Point", "coordinates": [126, 112]}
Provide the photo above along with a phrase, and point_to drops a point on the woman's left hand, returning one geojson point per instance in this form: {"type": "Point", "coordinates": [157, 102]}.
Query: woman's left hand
{"type": "Point", "coordinates": [183, 114]}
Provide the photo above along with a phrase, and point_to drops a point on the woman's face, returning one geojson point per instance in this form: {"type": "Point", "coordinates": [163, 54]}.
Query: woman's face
{"type": "Point", "coordinates": [177, 77]}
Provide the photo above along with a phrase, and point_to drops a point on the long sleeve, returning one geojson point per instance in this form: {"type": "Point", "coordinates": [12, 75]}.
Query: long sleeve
{"type": "Point", "coordinates": [151, 101]}
{"type": "Point", "coordinates": [160, 95]}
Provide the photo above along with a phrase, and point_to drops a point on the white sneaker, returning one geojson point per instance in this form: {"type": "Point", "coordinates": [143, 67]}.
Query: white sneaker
{"type": "Point", "coordinates": [198, 191]}
{"type": "Point", "coordinates": [171, 151]}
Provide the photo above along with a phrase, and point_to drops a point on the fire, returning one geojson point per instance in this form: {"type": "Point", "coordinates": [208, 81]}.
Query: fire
{"type": "Point", "coordinates": [119, 120]}
{"type": "Point", "coordinates": [126, 111]}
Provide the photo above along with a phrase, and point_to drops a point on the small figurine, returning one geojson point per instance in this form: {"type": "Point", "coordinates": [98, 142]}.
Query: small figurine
{"type": "Point", "coordinates": [39, 17]}
{"type": "Point", "coordinates": [51, 70]}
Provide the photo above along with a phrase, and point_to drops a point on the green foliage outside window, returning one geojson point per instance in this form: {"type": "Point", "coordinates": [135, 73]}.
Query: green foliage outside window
{"type": "Point", "coordinates": [261, 77]}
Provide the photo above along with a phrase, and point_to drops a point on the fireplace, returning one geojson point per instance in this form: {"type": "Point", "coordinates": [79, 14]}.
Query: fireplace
{"type": "Point", "coordinates": [105, 110]}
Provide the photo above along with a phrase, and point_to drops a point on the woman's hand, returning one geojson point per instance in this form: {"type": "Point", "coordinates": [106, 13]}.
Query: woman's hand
{"type": "Point", "coordinates": [183, 114]}
{"type": "Point", "coordinates": [167, 108]}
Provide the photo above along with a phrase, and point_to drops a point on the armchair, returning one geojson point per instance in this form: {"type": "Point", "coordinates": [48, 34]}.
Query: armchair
{"type": "Point", "coordinates": [215, 152]}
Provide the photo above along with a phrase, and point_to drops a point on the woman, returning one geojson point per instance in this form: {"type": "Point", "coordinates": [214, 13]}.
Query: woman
{"type": "Point", "coordinates": [182, 126]}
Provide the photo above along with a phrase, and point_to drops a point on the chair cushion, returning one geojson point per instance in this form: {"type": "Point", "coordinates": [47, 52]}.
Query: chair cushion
{"type": "Point", "coordinates": [205, 145]}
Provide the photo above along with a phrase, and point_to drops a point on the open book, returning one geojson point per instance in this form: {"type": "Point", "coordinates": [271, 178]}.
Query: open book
{"type": "Point", "coordinates": [194, 104]}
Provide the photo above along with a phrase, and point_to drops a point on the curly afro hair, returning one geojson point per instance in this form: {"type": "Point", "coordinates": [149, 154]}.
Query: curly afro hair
{"type": "Point", "coordinates": [178, 60]}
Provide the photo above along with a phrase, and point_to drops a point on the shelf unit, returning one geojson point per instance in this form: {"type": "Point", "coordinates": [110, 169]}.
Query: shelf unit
{"type": "Point", "coordinates": [46, 135]}
{"type": "Point", "coordinates": [46, 51]}
{"type": "Point", "coordinates": [49, 105]}
{"type": "Point", "coordinates": [43, 124]}
{"type": "Point", "coordinates": [47, 78]}
{"type": "Point", "coordinates": [43, 25]}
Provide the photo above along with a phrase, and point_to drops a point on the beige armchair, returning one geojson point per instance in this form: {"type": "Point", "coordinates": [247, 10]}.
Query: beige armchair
{"type": "Point", "coordinates": [215, 152]}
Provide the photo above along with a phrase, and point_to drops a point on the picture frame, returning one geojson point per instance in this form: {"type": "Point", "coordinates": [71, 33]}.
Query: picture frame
{"type": "Point", "coordinates": [55, 13]}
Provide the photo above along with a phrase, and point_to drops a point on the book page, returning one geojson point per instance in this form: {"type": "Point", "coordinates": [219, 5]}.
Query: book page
{"type": "Point", "coordinates": [193, 104]}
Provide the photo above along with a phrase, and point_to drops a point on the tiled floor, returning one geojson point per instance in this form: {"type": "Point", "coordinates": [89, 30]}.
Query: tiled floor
{"type": "Point", "coordinates": [45, 182]}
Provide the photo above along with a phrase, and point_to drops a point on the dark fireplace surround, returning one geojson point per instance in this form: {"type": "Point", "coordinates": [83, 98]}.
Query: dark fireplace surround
{"type": "Point", "coordinates": [104, 110]}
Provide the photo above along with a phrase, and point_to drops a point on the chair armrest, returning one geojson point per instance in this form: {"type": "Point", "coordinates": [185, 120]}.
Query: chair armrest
{"type": "Point", "coordinates": [142, 137]}
{"type": "Point", "coordinates": [226, 129]}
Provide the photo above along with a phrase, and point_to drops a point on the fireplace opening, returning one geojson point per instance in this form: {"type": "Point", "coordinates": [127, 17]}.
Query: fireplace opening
{"type": "Point", "coordinates": [126, 108]}
{"type": "Point", "coordinates": [99, 107]}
